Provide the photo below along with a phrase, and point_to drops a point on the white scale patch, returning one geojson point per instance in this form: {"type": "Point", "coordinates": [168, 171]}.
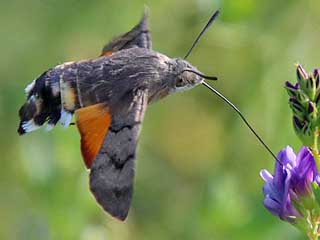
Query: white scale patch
{"type": "Point", "coordinates": [55, 88]}
{"type": "Point", "coordinates": [29, 87]}
{"type": "Point", "coordinates": [29, 126]}
{"type": "Point", "coordinates": [65, 118]}
{"type": "Point", "coordinates": [49, 127]}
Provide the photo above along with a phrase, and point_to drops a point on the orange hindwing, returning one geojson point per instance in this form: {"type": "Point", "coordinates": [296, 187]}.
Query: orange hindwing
{"type": "Point", "coordinates": [106, 54]}
{"type": "Point", "coordinates": [93, 123]}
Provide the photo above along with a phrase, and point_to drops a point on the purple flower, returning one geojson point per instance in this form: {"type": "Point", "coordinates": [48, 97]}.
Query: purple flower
{"type": "Point", "coordinates": [291, 182]}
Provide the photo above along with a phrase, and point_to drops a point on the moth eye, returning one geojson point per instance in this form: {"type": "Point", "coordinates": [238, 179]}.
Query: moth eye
{"type": "Point", "coordinates": [179, 82]}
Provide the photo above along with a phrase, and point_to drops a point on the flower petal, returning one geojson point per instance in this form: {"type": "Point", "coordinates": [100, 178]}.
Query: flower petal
{"type": "Point", "coordinates": [266, 176]}
{"type": "Point", "coordinates": [273, 206]}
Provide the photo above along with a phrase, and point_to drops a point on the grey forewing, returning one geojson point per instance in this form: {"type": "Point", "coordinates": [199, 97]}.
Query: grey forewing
{"type": "Point", "coordinates": [112, 172]}
{"type": "Point", "coordinates": [138, 36]}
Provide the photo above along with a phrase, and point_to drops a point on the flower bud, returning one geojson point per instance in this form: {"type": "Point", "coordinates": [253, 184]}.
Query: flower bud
{"type": "Point", "coordinates": [305, 101]}
{"type": "Point", "coordinates": [302, 75]}
{"type": "Point", "coordinates": [316, 77]}
{"type": "Point", "coordinates": [293, 90]}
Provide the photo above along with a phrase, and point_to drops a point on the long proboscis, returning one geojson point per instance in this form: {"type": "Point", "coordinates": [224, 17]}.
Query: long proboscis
{"type": "Point", "coordinates": [214, 78]}
{"type": "Point", "coordinates": [204, 30]}
{"type": "Point", "coordinates": [243, 118]}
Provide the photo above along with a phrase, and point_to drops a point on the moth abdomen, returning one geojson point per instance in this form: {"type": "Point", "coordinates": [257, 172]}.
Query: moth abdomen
{"type": "Point", "coordinates": [50, 99]}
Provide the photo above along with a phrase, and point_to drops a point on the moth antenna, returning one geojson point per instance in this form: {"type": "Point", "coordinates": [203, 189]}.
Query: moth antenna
{"type": "Point", "coordinates": [243, 118]}
{"type": "Point", "coordinates": [204, 30]}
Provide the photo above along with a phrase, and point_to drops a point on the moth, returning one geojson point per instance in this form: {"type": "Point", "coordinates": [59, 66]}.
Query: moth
{"type": "Point", "coordinates": [108, 96]}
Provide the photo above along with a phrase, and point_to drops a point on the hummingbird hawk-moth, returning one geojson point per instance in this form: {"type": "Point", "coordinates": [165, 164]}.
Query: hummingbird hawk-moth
{"type": "Point", "coordinates": [108, 96]}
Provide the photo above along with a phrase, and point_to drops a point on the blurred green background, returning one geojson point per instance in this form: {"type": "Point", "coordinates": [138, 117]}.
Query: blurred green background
{"type": "Point", "coordinates": [198, 165]}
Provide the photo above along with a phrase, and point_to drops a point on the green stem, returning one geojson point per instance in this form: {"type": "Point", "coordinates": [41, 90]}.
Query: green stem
{"type": "Point", "coordinates": [314, 149]}
{"type": "Point", "coordinates": [315, 152]}
{"type": "Point", "coordinates": [313, 237]}
{"type": "Point", "coordinates": [312, 225]}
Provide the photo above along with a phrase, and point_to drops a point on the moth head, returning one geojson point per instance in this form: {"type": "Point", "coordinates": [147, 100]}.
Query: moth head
{"type": "Point", "coordinates": [186, 76]}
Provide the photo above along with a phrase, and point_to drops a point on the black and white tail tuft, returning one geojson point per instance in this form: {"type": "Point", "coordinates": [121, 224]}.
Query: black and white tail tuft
{"type": "Point", "coordinates": [43, 104]}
